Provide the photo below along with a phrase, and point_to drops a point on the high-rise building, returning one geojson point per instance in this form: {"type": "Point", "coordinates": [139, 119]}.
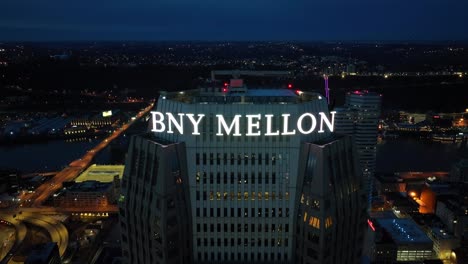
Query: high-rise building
{"type": "Point", "coordinates": [235, 175]}
{"type": "Point", "coordinates": [359, 118]}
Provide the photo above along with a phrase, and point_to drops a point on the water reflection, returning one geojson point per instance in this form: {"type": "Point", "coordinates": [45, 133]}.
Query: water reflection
{"type": "Point", "coordinates": [46, 156]}
{"type": "Point", "coordinates": [407, 154]}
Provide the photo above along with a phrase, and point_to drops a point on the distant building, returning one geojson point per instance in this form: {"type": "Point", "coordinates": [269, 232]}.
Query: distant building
{"type": "Point", "coordinates": [359, 118]}
{"type": "Point", "coordinates": [98, 186]}
{"type": "Point", "coordinates": [454, 215]}
{"type": "Point", "coordinates": [385, 183]}
{"type": "Point", "coordinates": [444, 242]}
{"type": "Point", "coordinates": [459, 171]}
{"type": "Point", "coordinates": [398, 240]}
{"type": "Point", "coordinates": [401, 205]}
{"type": "Point", "coordinates": [99, 120]}
{"type": "Point", "coordinates": [9, 181]}
{"type": "Point", "coordinates": [88, 194]}
{"type": "Point", "coordinates": [47, 253]}
{"type": "Point", "coordinates": [101, 173]}
{"type": "Point", "coordinates": [438, 121]}
{"type": "Point", "coordinates": [351, 69]}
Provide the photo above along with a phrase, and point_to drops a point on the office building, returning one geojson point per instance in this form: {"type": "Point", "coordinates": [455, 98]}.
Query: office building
{"type": "Point", "coordinates": [444, 242]}
{"type": "Point", "coordinates": [398, 240]}
{"type": "Point", "coordinates": [253, 175]}
{"type": "Point", "coordinates": [454, 214]}
{"type": "Point", "coordinates": [359, 118]}
{"type": "Point", "coordinates": [97, 186]}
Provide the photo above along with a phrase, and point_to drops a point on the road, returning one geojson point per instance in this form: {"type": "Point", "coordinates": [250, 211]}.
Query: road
{"type": "Point", "coordinates": [7, 239]}
{"type": "Point", "coordinates": [57, 231]}
{"type": "Point", "coordinates": [33, 213]}
{"type": "Point", "coordinates": [76, 167]}
{"type": "Point", "coordinates": [21, 231]}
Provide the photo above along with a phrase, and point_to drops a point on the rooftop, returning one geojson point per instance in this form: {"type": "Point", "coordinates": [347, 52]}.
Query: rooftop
{"type": "Point", "coordinates": [101, 173]}
{"type": "Point", "coordinates": [89, 186]}
{"type": "Point", "coordinates": [404, 230]}
{"type": "Point", "coordinates": [242, 95]}
{"type": "Point", "coordinates": [364, 93]}
{"type": "Point", "coordinates": [266, 92]}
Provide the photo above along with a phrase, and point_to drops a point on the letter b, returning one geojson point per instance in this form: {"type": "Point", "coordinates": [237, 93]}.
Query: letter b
{"type": "Point", "coordinates": [157, 119]}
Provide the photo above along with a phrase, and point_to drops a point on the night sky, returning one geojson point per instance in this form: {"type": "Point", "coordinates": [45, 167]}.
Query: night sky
{"type": "Point", "coordinates": [309, 20]}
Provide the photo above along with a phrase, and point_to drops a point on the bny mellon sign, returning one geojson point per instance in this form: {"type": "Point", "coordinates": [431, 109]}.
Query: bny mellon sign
{"type": "Point", "coordinates": [257, 124]}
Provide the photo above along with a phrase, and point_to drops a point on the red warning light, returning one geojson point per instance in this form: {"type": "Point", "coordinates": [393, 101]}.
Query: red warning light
{"type": "Point", "coordinates": [225, 84]}
{"type": "Point", "coordinates": [290, 86]}
{"type": "Point", "coordinates": [371, 225]}
{"type": "Point", "coordinates": [224, 90]}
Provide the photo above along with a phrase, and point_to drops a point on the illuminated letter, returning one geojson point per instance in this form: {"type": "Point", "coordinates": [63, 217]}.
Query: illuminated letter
{"type": "Point", "coordinates": [171, 120]}
{"type": "Point", "coordinates": [299, 123]}
{"type": "Point", "coordinates": [268, 130]}
{"type": "Point", "coordinates": [251, 125]}
{"type": "Point", "coordinates": [157, 121]}
{"type": "Point", "coordinates": [222, 123]}
{"type": "Point", "coordinates": [285, 125]}
{"type": "Point", "coordinates": [323, 118]}
{"type": "Point", "coordinates": [195, 122]}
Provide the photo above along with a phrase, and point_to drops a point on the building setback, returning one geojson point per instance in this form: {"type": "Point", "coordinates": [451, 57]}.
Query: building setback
{"type": "Point", "coordinates": [212, 198]}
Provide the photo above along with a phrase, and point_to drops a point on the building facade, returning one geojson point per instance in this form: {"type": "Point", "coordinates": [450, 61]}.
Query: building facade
{"type": "Point", "coordinates": [272, 184]}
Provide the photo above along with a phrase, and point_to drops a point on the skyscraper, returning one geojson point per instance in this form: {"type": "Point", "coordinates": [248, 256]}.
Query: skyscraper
{"type": "Point", "coordinates": [359, 118]}
{"type": "Point", "coordinates": [235, 175]}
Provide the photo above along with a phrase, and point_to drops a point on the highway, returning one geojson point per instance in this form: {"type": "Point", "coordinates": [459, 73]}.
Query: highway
{"type": "Point", "coordinates": [77, 166]}
{"type": "Point", "coordinates": [21, 231]}
{"type": "Point", "coordinates": [57, 231]}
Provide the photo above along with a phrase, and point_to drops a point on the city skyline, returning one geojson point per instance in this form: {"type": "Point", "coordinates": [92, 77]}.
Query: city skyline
{"type": "Point", "coordinates": [201, 132]}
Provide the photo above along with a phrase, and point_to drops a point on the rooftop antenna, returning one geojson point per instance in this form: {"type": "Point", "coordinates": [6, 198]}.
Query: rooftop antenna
{"type": "Point", "coordinates": [327, 90]}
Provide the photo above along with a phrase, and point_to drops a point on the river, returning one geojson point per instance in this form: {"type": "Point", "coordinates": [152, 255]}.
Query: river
{"type": "Point", "coordinates": [409, 154]}
{"type": "Point", "coordinates": [48, 156]}
{"type": "Point", "coordinates": [402, 154]}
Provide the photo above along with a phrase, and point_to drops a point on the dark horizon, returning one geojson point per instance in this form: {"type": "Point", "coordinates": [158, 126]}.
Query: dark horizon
{"type": "Point", "coordinates": [346, 42]}
{"type": "Point", "coordinates": [242, 20]}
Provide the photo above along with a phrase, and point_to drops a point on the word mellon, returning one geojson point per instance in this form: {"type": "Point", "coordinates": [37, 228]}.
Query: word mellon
{"type": "Point", "coordinates": [257, 125]}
